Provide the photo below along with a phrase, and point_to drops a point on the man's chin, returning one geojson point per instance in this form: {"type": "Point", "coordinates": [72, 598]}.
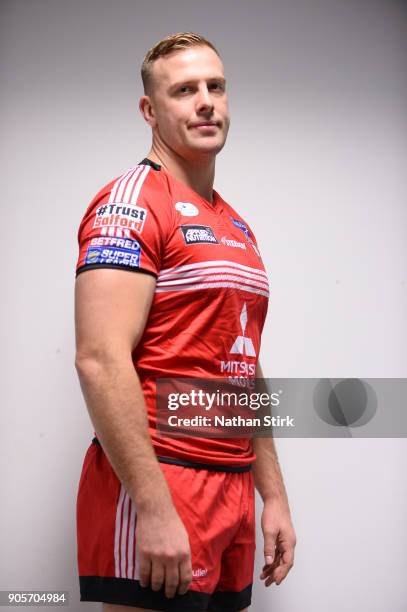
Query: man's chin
{"type": "Point", "coordinates": [205, 148]}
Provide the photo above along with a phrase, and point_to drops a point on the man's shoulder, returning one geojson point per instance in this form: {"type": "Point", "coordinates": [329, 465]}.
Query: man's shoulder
{"type": "Point", "coordinates": [128, 186]}
{"type": "Point", "coordinates": [142, 182]}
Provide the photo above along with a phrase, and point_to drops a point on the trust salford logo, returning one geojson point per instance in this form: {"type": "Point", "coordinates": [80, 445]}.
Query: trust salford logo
{"type": "Point", "coordinates": [120, 216]}
{"type": "Point", "coordinates": [243, 345]}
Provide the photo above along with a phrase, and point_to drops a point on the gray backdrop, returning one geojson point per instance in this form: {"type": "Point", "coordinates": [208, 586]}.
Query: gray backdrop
{"type": "Point", "coordinates": [316, 162]}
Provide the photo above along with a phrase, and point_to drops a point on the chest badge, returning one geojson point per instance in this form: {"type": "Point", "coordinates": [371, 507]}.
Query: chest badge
{"type": "Point", "coordinates": [246, 232]}
{"type": "Point", "coordinates": [198, 234]}
{"type": "Point", "coordinates": [186, 209]}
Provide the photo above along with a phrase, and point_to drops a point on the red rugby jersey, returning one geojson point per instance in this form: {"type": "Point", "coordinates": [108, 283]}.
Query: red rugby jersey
{"type": "Point", "coordinates": [211, 295]}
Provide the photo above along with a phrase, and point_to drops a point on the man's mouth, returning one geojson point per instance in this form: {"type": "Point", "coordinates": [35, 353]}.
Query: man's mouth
{"type": "Point", "coordinates": [206, 127]}
{"type": "Point", "coordinates": [205, 124]}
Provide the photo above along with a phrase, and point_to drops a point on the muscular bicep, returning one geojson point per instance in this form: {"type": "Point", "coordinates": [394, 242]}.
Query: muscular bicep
{"type": "Point", "coordinates": [111, 310]}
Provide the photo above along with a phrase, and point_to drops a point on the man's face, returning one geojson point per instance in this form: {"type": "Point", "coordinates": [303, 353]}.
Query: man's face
{"type": "Point", "coordinates": [190, 102]}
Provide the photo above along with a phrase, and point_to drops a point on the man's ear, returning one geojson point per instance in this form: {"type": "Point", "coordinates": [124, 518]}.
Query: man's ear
{"type": "Point", "coordinates": [147, 110]}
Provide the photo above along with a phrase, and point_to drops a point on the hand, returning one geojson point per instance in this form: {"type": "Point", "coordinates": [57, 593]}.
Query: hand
{"type": "Point", "coordinates": [164, 551]}
{"type": "Point", "coordinates": [279, 541]}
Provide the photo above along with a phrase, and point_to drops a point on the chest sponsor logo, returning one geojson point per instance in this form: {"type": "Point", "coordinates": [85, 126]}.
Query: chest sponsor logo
{"type": "Point", "coordinates": [198, 234]}
{"type": "Point", "coordinates": [239, 370]}
{"type": "Point", "coordinates": [187, 209]}
{"type": "Point", "coordinates": [117, 256]}
{"type": "Point", "coordinates": [123, 216]}
{"type": "Point", "coordinates": [233, 243]}
{"type": "Point", "coordinates": [243, 345]}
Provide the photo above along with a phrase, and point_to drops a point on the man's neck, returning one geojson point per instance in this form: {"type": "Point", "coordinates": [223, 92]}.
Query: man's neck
{"type": "Point", "coordinates": [198, 175]}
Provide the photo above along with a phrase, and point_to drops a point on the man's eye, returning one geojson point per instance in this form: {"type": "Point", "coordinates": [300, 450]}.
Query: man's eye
{"type": "Point", "coordinates": [184, 89]}
{"type": "Point", "coordinates": [217, 86]}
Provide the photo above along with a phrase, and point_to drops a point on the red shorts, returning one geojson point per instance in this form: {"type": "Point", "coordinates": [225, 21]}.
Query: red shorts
{"type": "Point", "coordinates": [217, 509]}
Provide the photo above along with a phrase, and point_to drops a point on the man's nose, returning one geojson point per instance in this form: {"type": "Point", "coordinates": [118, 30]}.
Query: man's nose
{"type": "Point", "coordinates": [204, 100]}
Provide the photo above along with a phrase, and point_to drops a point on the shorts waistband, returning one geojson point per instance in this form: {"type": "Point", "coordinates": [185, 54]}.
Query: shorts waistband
{"type": "Point", "coordinates": [199, 466]}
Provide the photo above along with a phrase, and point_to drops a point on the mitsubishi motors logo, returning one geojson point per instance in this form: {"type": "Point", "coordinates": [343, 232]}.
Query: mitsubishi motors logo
{"type": "Point", "coordinates": [243, 345]}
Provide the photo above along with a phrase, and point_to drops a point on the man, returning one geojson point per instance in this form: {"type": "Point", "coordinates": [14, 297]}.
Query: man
{"type": "Point", "coordinates": [168, 523]}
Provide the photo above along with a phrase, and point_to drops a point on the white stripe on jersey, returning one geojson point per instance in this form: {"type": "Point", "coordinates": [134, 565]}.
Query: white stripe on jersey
{"type": "Point", "coordinates": [120, 180]}
{"type": "Point", "coordinates": [211, 274]}
{"type": "Point", "coordinates": [124, 554]}
{"type": "Point", "coordinates": [124, 195]}
{"type": "Point", "coordinates": [123, 548]}
{"type": "Point", "coordinates": [206, 271]}
{"type": "Point", "coordinates": [127, 187]}
{"type": "Point", "coordinates": [130, 547]}
{"type": "Point", "coordinates": [211, 286]}
{"type": "Point", "coordinates": [197, 280]}
{"type": "Point", "coordinates": [117, 531]}
{"type": "Point", "coordinates": [206, 264]}
{"type": "Point", "coordinates": [117, 232]}
{"type": "Point", "coordinates": [139, 184]}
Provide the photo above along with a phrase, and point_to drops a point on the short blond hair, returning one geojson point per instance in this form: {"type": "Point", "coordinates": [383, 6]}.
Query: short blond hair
{"type": "Point", "coordinates": [169, 44]}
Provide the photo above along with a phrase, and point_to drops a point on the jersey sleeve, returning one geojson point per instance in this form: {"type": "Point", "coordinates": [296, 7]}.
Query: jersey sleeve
{"type": "Point", "coordinates": [127, 224]}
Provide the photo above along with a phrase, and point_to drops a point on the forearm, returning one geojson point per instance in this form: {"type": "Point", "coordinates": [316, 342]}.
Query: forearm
{"type": "Point", "coordinates": [267, 474]}
{"type": "Point", "coordinates": [116, 406]}
{"type": "Point", "coordinates": [266, 469]}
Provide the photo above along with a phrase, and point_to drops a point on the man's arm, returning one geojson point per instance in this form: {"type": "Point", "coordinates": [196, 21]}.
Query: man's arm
{"type": "Point", "coordinates": [111, 309]}
{"type": "Point", "coordinates": [278, 532]}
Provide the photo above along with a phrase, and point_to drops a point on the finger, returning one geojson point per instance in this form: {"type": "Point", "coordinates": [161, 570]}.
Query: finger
{"type": "Point", "coordinates": [287, 561]}
{"type": "Point", "coordinates": [268, 569]}
{"type": "Point", "coordinates": [157, 575]}
{"type": "Point", "coordinates": [269, 582]}
{"type": "Point", "coordinates": [269, 547]}
{"type": "Point", "coordinates": [275, 563]}
{"type": "Point", "coordinates": [171, 579]}
{"type": "Point", "coordinates": [288, 555]}
{"type": "Point", "coordinates": [185, 576]}
{"type": "Point", "coordinates": [144, 571]}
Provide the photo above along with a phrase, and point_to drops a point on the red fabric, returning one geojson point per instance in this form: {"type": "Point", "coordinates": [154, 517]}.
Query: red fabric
{"type": "Point", "coordinates": [208, 294]}
{"type": "Point", "coordinates": [217, 509]}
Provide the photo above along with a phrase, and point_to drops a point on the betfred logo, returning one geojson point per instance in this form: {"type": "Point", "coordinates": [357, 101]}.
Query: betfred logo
{"type": "Point", "coordinates": [121, 243]}
{"type": "Point", "coordinates": [121, 216]}
{"type": "Point", "coordinates": [198, 234]}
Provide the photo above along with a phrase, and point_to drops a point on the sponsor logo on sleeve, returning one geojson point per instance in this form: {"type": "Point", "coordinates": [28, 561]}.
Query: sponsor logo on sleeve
{"type": "Point", "coordinates": [198, 234]}
{"type": "Point", "coordinates": [121, 243]}
{"type": "Point", "coordinates": [187, 209]}
{"type": "Point", "coordinates": [124, 216]}
{"type": "Point", "coordinates": [129, 257]}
